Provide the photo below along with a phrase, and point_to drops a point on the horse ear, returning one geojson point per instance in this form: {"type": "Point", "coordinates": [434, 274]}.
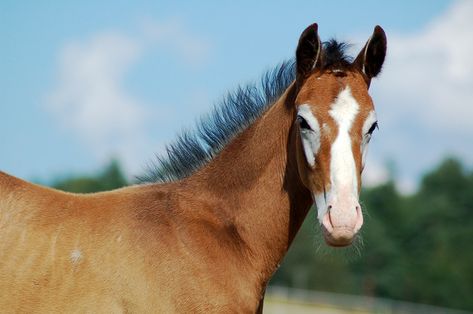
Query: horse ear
{"type": "Point", "coordinates": [371, 58]}
{"type": "Point", "coordinates": [308, 52]}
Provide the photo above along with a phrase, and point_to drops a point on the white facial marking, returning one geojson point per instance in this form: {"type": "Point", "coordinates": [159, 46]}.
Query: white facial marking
{"type": "Point", "coordinates": [342, 163]}
{"type": "Point", "coordinates": [366, 137]}
{"type": "Point", "coordinates": [310, 138]}
{"type": "Point", "coordinates": [321, 203]}
{"type": "Point", "coordinates": [369, 121]}
{"type": "Point", "coordinates": [76, 256]}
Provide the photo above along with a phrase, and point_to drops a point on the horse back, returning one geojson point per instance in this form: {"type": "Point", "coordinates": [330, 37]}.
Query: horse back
{"type": "Point", "coordinates": [132, 249]}
{"type": "Point", "coordinates": [66, 252]}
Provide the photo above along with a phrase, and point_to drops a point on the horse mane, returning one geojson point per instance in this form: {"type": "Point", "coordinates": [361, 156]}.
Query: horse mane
{"type": "Point", "coordinates": [194, 148]}
{"type": "Point", "coordinates": [335, 57]}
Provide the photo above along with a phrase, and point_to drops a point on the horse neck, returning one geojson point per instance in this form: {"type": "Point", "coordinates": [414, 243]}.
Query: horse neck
{"type": "Point", "coordinates": [256, 179]}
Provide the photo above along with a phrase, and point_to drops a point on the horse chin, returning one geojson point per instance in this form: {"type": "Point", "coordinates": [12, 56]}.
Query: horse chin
{"type": "Point", "coordinates": [339, 237]}
{"type": "Point", "coordinates": [332, 243]}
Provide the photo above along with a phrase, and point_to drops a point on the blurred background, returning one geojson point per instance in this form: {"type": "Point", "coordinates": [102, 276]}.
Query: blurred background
{"type": "Point", "coordinates": [90, 91]}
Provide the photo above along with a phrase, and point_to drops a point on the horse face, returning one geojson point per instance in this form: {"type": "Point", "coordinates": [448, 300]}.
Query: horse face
{"type": "Point", "coordinates": [335, 119]}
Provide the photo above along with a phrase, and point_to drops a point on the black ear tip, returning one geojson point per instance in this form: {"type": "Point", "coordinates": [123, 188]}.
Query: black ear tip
{"type": "Point", "coordinates": [379, 31]}
{"type": "Point", "coordinates": [311, 29]}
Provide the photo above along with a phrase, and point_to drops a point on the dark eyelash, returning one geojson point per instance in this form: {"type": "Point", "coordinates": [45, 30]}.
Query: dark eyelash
{"type": "Point", "coordinates": [373, 127]}
{"type": "Point", "coordinates": [303, 123]}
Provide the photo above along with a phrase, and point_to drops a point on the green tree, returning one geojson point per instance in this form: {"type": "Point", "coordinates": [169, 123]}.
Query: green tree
{"type": "Point", "coordinates": [110, 178]}
{"type": "Point", "coordinates": [437, 241]}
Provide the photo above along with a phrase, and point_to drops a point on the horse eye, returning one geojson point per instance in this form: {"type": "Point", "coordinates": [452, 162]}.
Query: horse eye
{"type": "Point", "coordinates": [373, 127]}
{"type": "Point", "coordinates": [303, 123]}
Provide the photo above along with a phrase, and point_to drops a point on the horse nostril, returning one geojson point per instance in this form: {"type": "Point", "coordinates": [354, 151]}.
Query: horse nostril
{"type": "Point", "coordinates": [327, 220]}
{"type": "Point", "coordinates": [329, 215]}
{"type": "Point", "coordinates": [359, 218]}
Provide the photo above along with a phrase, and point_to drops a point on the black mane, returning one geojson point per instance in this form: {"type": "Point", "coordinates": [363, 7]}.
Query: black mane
{"type": "Point", "coordinates": [335, 57]}
{"type": "Point", "coordinates": [239, 109]}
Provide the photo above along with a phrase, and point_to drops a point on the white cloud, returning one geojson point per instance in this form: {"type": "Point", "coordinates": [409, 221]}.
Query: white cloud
{"type": "Point", "coordinates": [194, 49]}
{"type": "Point", "coordinates": [90, 98]}
{"type": "Point", "coordinates": [432, 71]}
{"type": "Point", "coordinates": [424, 94]}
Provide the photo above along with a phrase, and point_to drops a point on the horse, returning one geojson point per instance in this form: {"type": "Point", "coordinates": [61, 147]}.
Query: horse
{"type": "Point", "coordinates": [208, 226]}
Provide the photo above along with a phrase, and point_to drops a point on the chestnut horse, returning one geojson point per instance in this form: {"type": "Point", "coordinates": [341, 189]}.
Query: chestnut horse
{"type": "Point", "coordinates": [223, 206]}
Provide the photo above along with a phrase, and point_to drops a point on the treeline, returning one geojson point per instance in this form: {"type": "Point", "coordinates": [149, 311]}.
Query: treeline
{"type": "Point", "coordinates": [111, 177]}
{"type": "Point", "coordinates": [417, 248]}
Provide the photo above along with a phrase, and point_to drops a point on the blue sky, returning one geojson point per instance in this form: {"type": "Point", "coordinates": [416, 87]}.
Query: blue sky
{"type": "Point", "coordinates": [81, 82]}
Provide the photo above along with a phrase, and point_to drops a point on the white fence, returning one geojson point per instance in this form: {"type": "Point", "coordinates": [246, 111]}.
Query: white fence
{"type": "Point", "coordinates": [281, 300]}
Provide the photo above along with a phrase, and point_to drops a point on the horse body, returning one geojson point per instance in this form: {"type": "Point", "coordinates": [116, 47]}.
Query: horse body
{"type": "Point", "coordinates": [139, 247]}
{"type": "Point", "coordinates": [206, 243]}
{"type": "Point", "coordinates": [128, 250]}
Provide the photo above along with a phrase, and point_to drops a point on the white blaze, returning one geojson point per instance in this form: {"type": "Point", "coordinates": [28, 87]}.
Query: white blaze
{"type": "Point", "coordinates": [344, 184]}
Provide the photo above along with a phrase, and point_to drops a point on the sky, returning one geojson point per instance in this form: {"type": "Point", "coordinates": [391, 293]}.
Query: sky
{"type": "Point", "coordinates": [83, 82]}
